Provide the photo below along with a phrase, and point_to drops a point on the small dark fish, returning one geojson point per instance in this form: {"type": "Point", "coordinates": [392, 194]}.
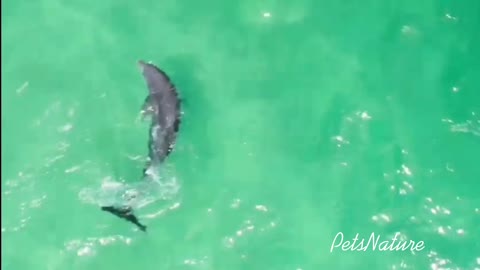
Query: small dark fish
{"type": "Point", "coordinates": [163, 106]}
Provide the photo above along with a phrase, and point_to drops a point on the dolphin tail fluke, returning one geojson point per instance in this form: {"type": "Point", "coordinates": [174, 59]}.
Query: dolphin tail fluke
{"type": "Point", "coordinates": [125, 213]}
{"type": "Point", "coordinates": [142, 227]}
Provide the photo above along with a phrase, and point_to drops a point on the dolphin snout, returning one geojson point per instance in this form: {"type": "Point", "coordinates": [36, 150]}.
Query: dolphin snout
{"type": "Point", "coordinates": [141, 64]}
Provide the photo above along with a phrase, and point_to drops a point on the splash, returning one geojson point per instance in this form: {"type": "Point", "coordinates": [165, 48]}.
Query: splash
{"type": "Point", "coordinates": [135, 195]}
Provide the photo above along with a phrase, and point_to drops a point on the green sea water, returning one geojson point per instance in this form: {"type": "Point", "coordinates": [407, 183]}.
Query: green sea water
{"type": "Point", "coordinates": [301, 120]}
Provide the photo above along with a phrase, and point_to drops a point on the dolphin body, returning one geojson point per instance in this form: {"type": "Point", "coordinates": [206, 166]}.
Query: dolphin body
{"type": "Point", "coordinates": [163, 106]}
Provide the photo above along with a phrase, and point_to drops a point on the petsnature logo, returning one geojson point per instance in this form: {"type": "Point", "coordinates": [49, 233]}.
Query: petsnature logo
{"type": "Point", "coordinates": [374, 243]}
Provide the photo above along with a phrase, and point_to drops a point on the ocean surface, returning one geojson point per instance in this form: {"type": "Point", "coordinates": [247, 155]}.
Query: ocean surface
{"type": "Point", "coordinates": [302, 121]}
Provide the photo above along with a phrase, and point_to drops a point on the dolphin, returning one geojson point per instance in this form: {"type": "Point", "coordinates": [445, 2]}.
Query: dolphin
{"type": "Point", "coordinates": [162, 105]}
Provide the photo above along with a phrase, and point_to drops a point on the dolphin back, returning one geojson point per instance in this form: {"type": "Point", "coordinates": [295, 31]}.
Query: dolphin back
{"type": "Point", "coordinates": [163, 104]}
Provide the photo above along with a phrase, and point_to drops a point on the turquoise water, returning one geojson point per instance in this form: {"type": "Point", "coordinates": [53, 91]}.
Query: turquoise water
{"type": "Point", "coordinates": [302, 119]}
